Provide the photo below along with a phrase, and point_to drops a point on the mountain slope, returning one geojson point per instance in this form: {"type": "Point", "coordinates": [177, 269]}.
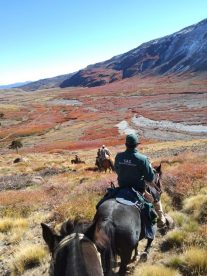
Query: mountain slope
{"type": "Point", "coordinates": [14, 85]}
{"type": "Point", "coordinates": [182, 52]}
{"type": "Point", "coordinates": [46, 83]}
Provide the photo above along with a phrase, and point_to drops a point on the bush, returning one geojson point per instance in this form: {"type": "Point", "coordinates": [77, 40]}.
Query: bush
{"type": "Point", "coordinates": [196, 260]}
{"type": "Point", "coordinates": [156, 270]}
{"type": "Point", "coordinates": [197, 205]}
{"type": "Point", "coordinates": [7, 224]}
{"type": "Point", "coordinates": [175, 238]}
{"type": "Point", "coordinates": [175, 261]}
{"type": "Point", "coordinates": [27, 257]}
{"type": "Point", "coordinates": [179, 218]}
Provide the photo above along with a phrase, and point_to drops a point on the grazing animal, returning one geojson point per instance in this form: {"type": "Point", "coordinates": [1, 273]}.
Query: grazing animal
{"type": "Point", "coordinates": [73, 254]}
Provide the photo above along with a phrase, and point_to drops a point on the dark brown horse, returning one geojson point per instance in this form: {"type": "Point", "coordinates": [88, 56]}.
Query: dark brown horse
{"type": "Point", "coordinates": [73, 254]}
{"type": "Point", "coordinates": [122, 225]}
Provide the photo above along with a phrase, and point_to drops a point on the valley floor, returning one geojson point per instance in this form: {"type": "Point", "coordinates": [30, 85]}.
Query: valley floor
{"type": "Point", "coordinates": [53, 125]}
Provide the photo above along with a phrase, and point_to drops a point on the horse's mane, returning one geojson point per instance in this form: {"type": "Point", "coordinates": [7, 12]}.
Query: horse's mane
{"type": "Point", "coordinates": [77, 225]}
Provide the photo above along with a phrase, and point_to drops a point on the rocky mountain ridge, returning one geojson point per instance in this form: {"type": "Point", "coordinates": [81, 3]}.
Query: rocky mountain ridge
{"type": "Point", "coordinates": [182, 52]}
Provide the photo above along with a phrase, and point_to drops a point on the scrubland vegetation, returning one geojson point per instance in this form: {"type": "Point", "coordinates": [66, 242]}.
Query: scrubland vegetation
{"type": "Point", "coordinates": [45, 187]}
{"type": "Point", "coordinates": [54, 190]}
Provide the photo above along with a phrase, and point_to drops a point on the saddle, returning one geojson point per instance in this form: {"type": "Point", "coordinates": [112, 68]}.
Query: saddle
{"type": "Point", "coordinates": [130, 197]}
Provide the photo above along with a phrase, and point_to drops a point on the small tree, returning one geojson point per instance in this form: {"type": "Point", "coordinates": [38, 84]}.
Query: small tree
{"type": "Point", "coordinates": [16, 144]}
{"type": "Point", "coordinates": [1, 115]}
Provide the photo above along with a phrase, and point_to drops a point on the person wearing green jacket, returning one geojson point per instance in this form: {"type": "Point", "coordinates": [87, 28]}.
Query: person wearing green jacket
{"type": "Point", "coordinates": [134, 170]}
{"type": "Point", "coordinates": [132, 167]}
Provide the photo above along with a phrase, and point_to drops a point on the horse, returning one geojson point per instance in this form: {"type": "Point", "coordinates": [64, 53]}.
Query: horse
{"type": "Point", "coordinates": [122, 225]}
{"type": "Point", "coordinates": [73, 253]}
{"type": "Point", "coordinates": [104, 165]}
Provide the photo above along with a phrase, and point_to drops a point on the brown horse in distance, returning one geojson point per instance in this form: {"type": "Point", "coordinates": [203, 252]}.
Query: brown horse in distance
{"type": "Point", "coordinates": [106, 164]}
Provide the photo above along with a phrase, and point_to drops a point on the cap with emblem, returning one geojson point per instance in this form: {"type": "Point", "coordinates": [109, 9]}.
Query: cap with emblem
{"type": "Point", "coordinates": [132, 140]}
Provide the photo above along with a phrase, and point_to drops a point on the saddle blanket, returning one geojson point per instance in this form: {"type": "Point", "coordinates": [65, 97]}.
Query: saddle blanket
{"type": "Point", "coordinates": [129, 197]}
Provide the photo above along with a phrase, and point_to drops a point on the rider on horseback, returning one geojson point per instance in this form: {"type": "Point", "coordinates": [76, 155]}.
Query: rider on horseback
{"type": "Point", "coordinates": [133, 169]}
{"type": "Point", "coordinates": [103, 153]}
{"type": "Point", "coordinates": [77, 159]}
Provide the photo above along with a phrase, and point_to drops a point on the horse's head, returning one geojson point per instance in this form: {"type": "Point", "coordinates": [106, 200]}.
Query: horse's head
{"type": "Point", "coordinates": [78, 225]}
{"type": "Point", "coordinates": [71, 254]}
{"type": "Point", "coordinates": [158, 176]}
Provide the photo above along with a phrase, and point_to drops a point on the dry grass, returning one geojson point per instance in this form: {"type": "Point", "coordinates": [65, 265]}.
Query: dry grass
{"type": "Point", "coordinates": [83, 205]}
{"type": "Point", "coordinates": [183, 179]}
{"type": "Point", "coordinates": [13, 229]}
{"type": "Point", "coordinates": [191, 225]}
{"type": "Point", "coordinates": [160, 146]}
{"type": "Point", "coordinates": [196, 259]}
{"type": "Point", "coordinates": [7, 224]}
{"type": "Point", "coordinates": [197, 206]}
{"type": "Point", "coordinates": [175, 238]}
{"type": "Point", "coordinates": [28, 256]}
{"type": "Point", "coordinates": [174, 261]}
{"type": "Point", "coordinates": [179, 218]}
{"type": "Point", "coordinates": [192, 262]}
{"type": "Point", "coordinates": [156, 270]}
{"type": "Point", "coordinates": [166, 202]}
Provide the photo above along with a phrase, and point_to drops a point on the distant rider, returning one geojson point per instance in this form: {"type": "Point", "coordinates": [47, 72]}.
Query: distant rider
{"type": "Point", "coordinates": [104, 153]}
{"type": "Point", "coordinates": [77, 159]}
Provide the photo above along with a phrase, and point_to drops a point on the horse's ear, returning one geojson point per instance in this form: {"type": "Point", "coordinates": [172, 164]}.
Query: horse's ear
{"type": "Point", "coordinates": [50, 237]}
{"type": "Point", "coordinates": [158, 169]}
{"type": "Point", "coordinates": [67, 228]}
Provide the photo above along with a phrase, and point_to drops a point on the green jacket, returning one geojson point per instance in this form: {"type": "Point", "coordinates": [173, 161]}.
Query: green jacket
{"type": "Point", "coordinates": [132, 169]}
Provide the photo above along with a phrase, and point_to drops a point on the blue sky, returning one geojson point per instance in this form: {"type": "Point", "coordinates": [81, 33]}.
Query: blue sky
{"type": "Point", "coordinates": [45, 38]}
